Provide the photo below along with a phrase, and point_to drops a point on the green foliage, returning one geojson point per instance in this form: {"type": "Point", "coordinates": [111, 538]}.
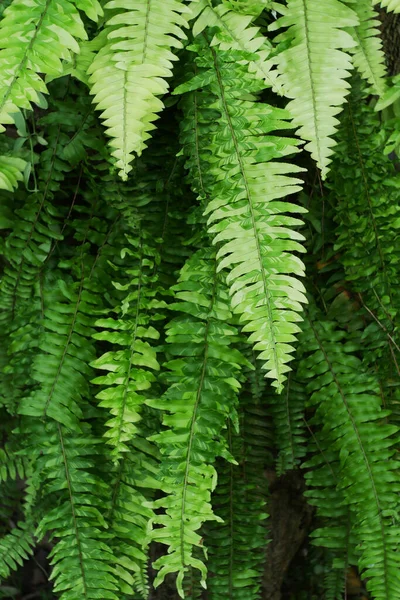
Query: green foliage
{"type": "Point", "coordinates": [158, 368]}
{"type": "Point", "coordinates": [315, 46]}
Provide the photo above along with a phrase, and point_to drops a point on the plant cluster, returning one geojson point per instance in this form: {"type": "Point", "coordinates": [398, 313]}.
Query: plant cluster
{"type": "Point", "coordinates": [199, 206]}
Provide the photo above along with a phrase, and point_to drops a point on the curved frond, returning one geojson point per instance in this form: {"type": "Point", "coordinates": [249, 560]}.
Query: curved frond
{"type": "Point", "coordinates": [249, 222]}
{"type": "Point", "coordinates": [235, 31]}
{"type": "Point", "coordinates": [348, 406]}
{"type": "Point", "coordinates": [368, 55]}
{"type": "Point", "coordinates": [129, 73]}
{"type": "Point", "coordinates": [27, 31]}
{"type": "Point", "coordinates": [202, 396]}
{"type": "Point", "coordinates": [313, 69]}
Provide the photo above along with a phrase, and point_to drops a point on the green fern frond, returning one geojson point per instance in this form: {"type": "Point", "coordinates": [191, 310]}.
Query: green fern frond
{"type": "Point", "coordinates": [289, 427]}
{"type": "Point", "coordinates": [391, 5]}
{"type": "Point", "coordinates": [202, 396]}
{"type": "Point", "coordinates": [133, 486]}
{"type": "Point", "coordinates": [11, 172]}
{"type": "Point", "coordinates": [365, 191]}
{"type": "Point", "coordinates": [128, 75]}
{"type": "Point", "coordinates": [313, 69]}
{"type": "Point", "coordinates": [348, 406]}
{"type": "Point", "coordinates": [235, 31]}
{"type": "Point", "coordinates": [27, 31]}
{"type": "Point", "coordinates": [12, 464]}
{"type": "Point", "coordinates": [82, 561]}
{"type": "Point", "coordinates": [368, 55]}
{"type": "Point", "coordinates": [15, 547]}
{"type": "Point", "coordinates": [248, 221]}
{"type": "Point", "coordinates": [236, 545]}
{"type": "Point", "coordinates": [130, 368]}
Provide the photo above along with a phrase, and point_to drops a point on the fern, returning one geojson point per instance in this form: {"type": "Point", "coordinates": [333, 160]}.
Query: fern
{"type": "Point", "coordinates": [368, 57]}
{"type": "Point", "coordinates": [248, 223]}
{"type": "Point", "coordinates": [24, 53]}
{"type": "Point", "coordinates": [11, 172]}
{"type": "Point", "coordinates": [354, 427]}
{"type": "Point", "coordinates": [235, 31]}
{"type": "Point", "coordinates": [392, 5]}
{"type": "Point", "coordinates": [236, 545]}
{"type": "Point", "coordinates": [315, 99]}
{"type": "Point", "coordinates": [129, 73]}
{"type": "Point", "coordinates": [204, 384]}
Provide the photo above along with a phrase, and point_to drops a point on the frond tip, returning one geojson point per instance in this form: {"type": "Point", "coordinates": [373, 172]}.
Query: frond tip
{"type": "Point", "coordinates": [129, 73]}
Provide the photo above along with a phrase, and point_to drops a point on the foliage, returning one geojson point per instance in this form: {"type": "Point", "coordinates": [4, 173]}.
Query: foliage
{"type": "Point", "coordinates": [200, 308]}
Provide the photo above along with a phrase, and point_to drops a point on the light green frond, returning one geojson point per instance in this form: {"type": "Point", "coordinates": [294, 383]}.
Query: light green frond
{"type": "Point", "coordinates": [11, 172]}
{"type": "Point", "coordinates": [128, 75]}
{"type": "Point", "coordinates": [247, 215]}
{"type": "Point", "coordinates": [391, 5]}
{"type": "Point", "coordinates": [368, 55]}
{"type": "Point", "coordinates": [235, 31]}
{"type": "Point", "coordinates": [27, 31]}
{"type": "Point", "coordinates": [313, 69]}
{"type": "Point", "coordinates": [202, 396]}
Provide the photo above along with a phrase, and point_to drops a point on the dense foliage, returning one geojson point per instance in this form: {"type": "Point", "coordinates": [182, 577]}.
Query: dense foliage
{"type": "Point", "coordinates": [199, 206]}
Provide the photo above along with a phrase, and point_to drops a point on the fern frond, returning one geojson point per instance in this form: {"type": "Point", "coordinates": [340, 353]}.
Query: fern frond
{"type": "Point", "coordinates": [27, 31]}
{"type": "Point", "coordinates": [349, 409]}
{"type": "Point", "coordinates": [391, 5]}
{"type": "Point", "coordinates": [129, 73]}
{"type": "Point", "coordinates": [313, 69]}
{"type": "Point", "coordinates": [364, 192]}
{"type": "Point", "coordinates": [15, 547]}
{"type": "Point", "coordinates": [288, 415]}
{"type": "Point", "coordinates": [236, 545]}
{"type": "Point", "coordinates": [12, 464]}
{"type": "Point", "coordinates": [368, 55]}
{"type": "Point", "coordinates": [235, 31]}
{"type": "Point", "coordinates": [246, 216]}
{"type": "Point", "coordinates": [130, 368]}
{"type": "Point", "coordinates": [11, 172]}
{"type": "Point", "coordinates": [203, 375]}
{"type": "Point", "coordinates": [130, 513]}
{"type": "Point", "coordinates": [82, 561]}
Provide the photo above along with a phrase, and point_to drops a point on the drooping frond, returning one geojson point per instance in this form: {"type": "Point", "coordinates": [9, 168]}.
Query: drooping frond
{"type": "Point", "coordinates": [246, 216]}
{"type": "Point", "coordinates": [348, 409]}
{"type": "Point", "coordinates": [313, 69]}
{"type": "Point", "coordinates": [131, 510]}
{"type": "Point", "coordinates": [201, 397]}
{"type": "Point", "coordinates": [130, 367]}
{"type": "Point", "coordinates": [368, 55]}
{"type": "Point", "coordinates": [289, 427]}
{"type": "Point", "coordinates": [27, 31]}
{"type": "Point", "coordinates": [365, 194]}
{"type": "Point", "coordinates": [236, 545]}
{"type": "Point", "coordinates": [61, 368]}
{"type": "Point", "coordinates": [83, 563]}
{"type": "Point", "coordinates": [128, 75]}
{"type": "Point", "coordinates": [235, 31]}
